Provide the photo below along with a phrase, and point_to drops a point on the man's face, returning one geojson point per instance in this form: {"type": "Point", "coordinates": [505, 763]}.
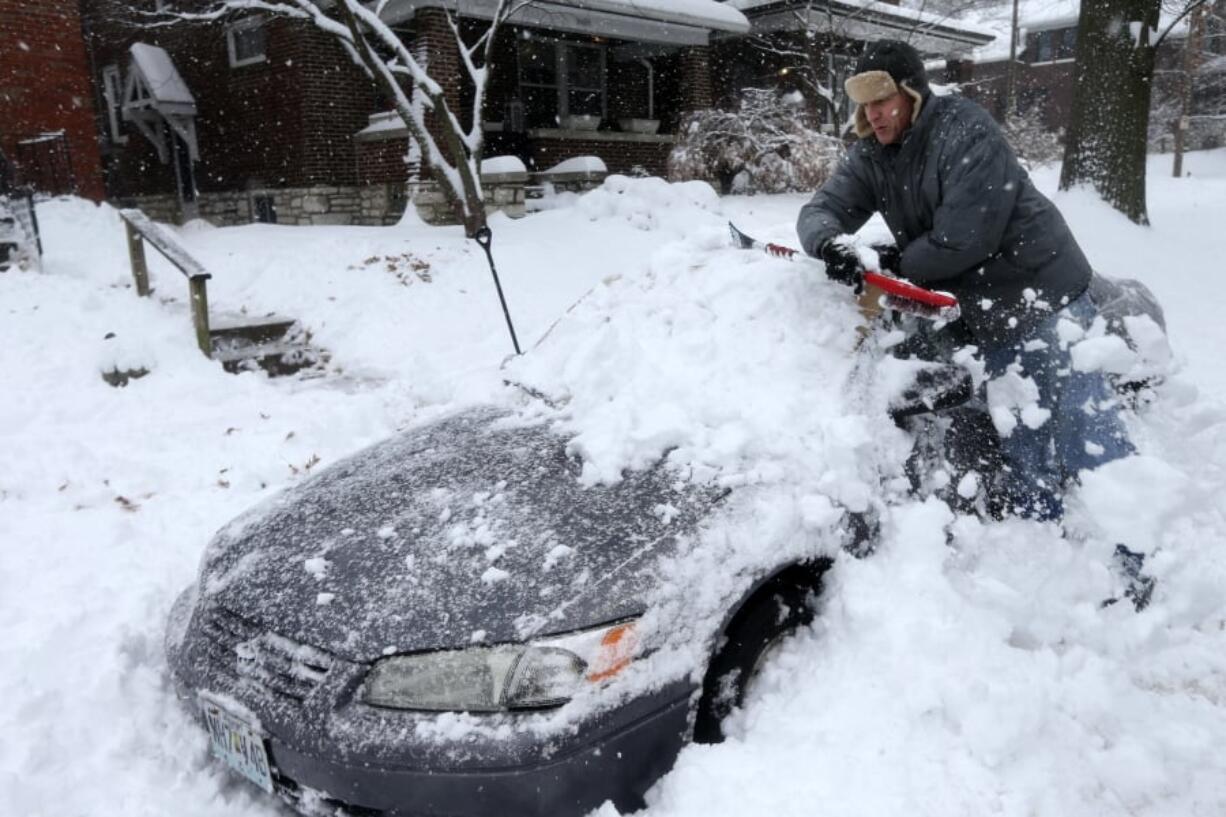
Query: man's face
{"type": "Point", "coordinates": [890, 117]}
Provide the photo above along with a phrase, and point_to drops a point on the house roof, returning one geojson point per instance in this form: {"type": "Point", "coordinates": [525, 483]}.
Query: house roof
{"type": "Point", "coordinates": [933, 34]}
{"type": "Point", "coordinates": [1038, 15]}
{"type": "Point", "coordinates": [162, 80]}
{"type": "Point", "coordinates": [679, 22]}
{"type": "Point", "coordinates": [155, 93]}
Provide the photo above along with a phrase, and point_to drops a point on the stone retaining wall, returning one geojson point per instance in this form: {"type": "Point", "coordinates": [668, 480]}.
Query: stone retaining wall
{"type": "Point", "coordinates": [503, 195]}
{"type": "Point", "coordinates": [370, 205]}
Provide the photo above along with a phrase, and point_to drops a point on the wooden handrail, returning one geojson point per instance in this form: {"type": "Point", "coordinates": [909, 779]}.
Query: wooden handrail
{"type": "Point", "coordinates": [140, 229]}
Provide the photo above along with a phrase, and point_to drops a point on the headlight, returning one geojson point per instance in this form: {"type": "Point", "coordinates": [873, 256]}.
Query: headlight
{"type": "Point", "coordinates": [543, 673]}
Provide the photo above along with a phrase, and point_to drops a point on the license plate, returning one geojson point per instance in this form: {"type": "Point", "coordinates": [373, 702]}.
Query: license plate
{"type": "Point", "coordinates": [237, 744]}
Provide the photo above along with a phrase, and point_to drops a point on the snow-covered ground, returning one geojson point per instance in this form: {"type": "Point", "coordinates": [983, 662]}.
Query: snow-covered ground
{"type": "Point", "coordinates": [971, 677]}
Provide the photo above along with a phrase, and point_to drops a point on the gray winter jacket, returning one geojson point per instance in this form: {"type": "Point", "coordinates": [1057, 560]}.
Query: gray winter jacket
{"type": "Point", "coordinates": [966, 217]}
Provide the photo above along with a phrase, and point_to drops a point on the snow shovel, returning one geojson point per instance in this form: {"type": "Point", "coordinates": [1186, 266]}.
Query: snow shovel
{"type": "Point", "coordinates": [880, 289]}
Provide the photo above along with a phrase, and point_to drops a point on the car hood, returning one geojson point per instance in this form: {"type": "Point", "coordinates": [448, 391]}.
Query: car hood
{"type": "Point", "coordinates": [475, 529]}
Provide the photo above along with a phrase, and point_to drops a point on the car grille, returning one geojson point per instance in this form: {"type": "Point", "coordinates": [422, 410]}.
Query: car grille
{"type": "Point", "coordinates": [277, 663]}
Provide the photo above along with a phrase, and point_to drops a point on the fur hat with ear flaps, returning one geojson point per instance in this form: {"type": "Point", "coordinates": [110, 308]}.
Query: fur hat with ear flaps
{"type": "Point", "coordinates": [887, 67]}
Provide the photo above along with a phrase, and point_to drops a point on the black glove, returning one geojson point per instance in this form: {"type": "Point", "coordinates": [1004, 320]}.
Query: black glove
{"type": "Point", "coordinates": [889, 258]}
{"type": "Point", "coordinates": [842, 264]}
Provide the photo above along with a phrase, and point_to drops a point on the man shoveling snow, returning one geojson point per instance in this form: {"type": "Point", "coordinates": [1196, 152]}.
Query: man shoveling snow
{"type": "Point", "coordinates": [967, 218]}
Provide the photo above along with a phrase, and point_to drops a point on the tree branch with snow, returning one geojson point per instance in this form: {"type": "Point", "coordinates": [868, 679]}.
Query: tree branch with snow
{"type": "Point", "coordinates": [451, 152]}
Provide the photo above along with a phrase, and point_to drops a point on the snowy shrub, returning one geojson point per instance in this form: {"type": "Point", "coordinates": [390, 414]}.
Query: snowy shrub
{"type": "Point", "coordinates": [767, 146]}
{"type": "Point", "coordinates": [1032, 141]}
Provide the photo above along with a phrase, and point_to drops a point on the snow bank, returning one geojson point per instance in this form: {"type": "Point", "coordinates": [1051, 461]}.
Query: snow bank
{"type": "Point", "coordinates": [650, 203]}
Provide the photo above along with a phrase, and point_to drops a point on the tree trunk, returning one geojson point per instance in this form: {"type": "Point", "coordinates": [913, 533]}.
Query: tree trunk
{"type": "Point", "coordinates": [1191, 62]}
{"type": "Point", "coordinates": [1107, 137]}
{"type": "Point", "coordinates": [1011, 76]}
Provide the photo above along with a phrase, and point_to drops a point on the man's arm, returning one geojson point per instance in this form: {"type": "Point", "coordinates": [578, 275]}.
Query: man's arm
{"type": "Point", "coordinates": [841, 205]}
{"type": "Point", "coordinates": [980, 189]}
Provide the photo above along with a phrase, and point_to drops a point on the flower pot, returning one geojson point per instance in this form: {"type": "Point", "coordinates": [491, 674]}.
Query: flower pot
{"type": "Point", "coordinates": [639, 125]}
{"type": "Point", "coordinates": [581, 122]}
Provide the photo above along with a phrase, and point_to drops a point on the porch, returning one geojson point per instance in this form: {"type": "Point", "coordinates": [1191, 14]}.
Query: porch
{"type": "Point", "coordinates": [601, 78]}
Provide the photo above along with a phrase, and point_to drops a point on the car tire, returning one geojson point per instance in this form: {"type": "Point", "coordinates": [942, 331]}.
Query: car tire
{"type": "Point", "coordinates": [774, 613]}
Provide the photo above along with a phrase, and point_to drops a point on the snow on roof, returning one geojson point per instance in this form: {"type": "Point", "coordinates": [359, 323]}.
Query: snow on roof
{"type": "Point", "coordinates": [162, 78]}
{"type": "Point", "coordinates": [1035, 15]}
{"type": "Point", "coordinates": [384, 122]}
{"type": "Point", "coordinates": [931, 23]}
{"type": "Point", "coordinates": [704, 15]}
{"type": "Point", "coordinates": [45, 136]}
{"type": "Point", "coordinates": [917, 15]}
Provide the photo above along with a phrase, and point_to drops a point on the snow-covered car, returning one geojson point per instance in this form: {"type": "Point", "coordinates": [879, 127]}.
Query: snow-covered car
{"type": "Point", "coordinates": [452, 622]}
{"type": "Point", "coordinates": [460, 621]}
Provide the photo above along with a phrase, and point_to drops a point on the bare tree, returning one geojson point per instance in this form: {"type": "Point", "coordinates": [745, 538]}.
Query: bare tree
{"type": "Point", "coordinates": [1191, 62]}
{"type": "Point", "coordinates": [420, 99]}
{"type": "Point", "coordinates": [1189, 104]}
{"type": "Point", "coordinates": [1197, 113]}
{"type": "Point", "coordinates": [451, 151]}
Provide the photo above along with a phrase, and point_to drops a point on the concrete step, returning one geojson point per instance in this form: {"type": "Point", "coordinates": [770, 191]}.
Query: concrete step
{"type": "Point", "coordinates": [277, 358]}
{"type": "Point", "coordinates": [274, 343]}
{"type": "Point", "coordinates": [242, 329]}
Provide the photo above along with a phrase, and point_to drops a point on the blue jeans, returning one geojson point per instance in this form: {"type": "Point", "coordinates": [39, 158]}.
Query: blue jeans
{"type": "Point", "coordinates": [1084, 429]}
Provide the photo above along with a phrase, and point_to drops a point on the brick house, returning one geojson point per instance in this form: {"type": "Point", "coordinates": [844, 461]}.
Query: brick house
{"type": "Point", "coordinates": [258, 117]}
{"type": "Point", "coordinates": [260, 123]}
{"type": "Point", "coordinates": [1046, 55]}
{"type": "Point", "coordinates": [47, 134]}
{"type": "Point", "coordinates": [604, 78]}
{"type": "Point", "coordinates": [1047, 51]}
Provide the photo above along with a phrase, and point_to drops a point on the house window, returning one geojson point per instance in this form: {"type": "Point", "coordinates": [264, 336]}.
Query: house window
{"type": "Point", "coordinates": [112, 91]}
{"type": "Point", "coordinates": [584, 79]}
{"type": "Point", "coordinates": [1067, 47]}
{"type": "Point", "coordinates": [538, 83]}
{"type": "Point", "coordinates": [1053, 44]}
{"type": "Point", "coordinates": [247, 41]}
{"type": "Point", "coordinates": [1046, 52]}
{"type": "Point", "coordinates": [558, 79]}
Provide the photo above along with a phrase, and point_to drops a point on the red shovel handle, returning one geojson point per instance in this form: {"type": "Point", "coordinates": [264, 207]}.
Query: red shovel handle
{"type": "Point", "coordinates": [905, 289]}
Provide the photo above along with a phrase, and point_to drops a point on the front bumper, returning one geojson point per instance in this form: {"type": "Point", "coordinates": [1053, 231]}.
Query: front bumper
{"type": "Point", "coordinates": [617, 764]}
{"type": "Point", "coordinates": [329, 750]}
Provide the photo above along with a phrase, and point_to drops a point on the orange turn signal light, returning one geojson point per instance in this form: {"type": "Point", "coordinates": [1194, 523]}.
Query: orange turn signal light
{"type": "Point", "coordinates": [616, 652]}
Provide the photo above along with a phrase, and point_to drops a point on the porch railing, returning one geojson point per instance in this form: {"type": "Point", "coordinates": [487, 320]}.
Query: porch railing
{"type": "Point", "coordinates": [140, 230]}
